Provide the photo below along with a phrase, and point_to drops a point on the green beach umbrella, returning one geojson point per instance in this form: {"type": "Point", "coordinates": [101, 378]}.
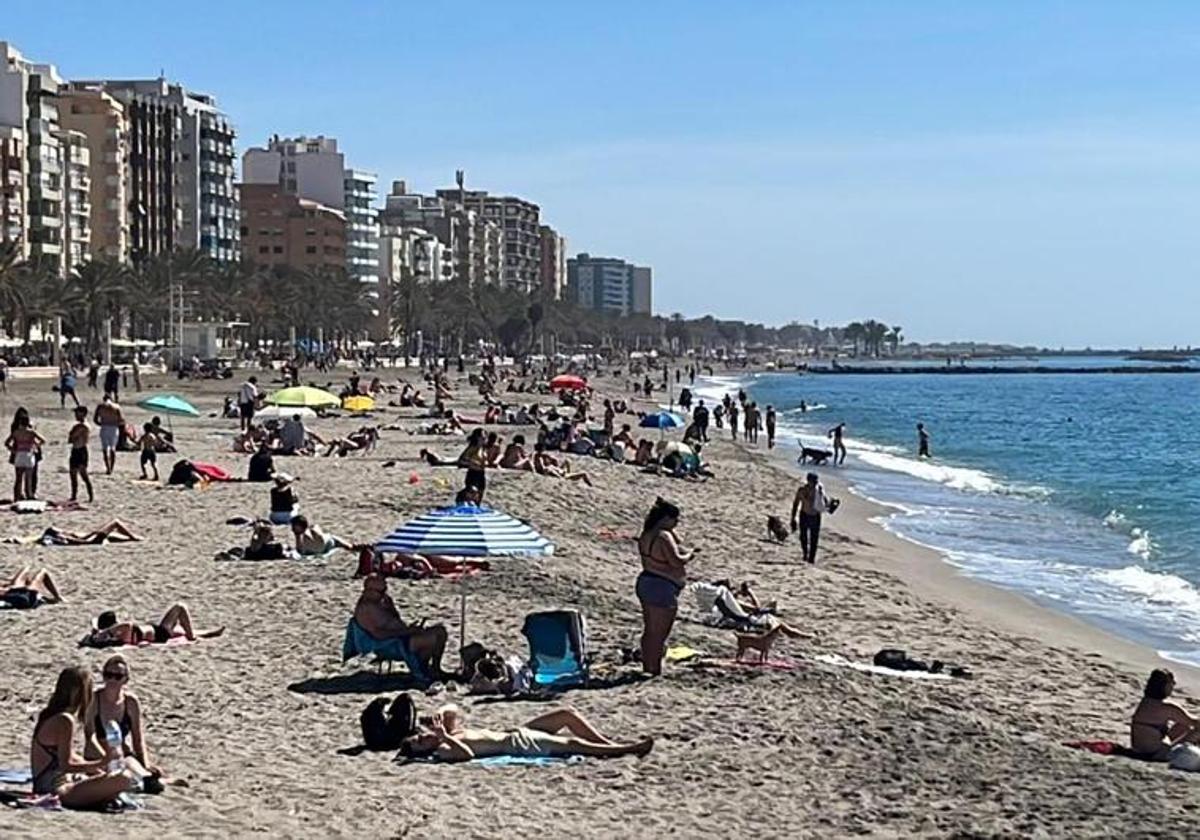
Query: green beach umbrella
{"type": "Point", "coordinates": [304, 396]}
{"type": "Point", "coordinates": [169, 404]}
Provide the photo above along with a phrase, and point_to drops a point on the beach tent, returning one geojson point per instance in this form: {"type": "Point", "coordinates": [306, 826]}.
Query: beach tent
{"type": "Point", "coordinates": [358, 403]}
{"type": "Point", "coordinates": [304, 396]}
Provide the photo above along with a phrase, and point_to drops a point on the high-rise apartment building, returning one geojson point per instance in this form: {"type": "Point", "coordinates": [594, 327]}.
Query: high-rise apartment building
{"type": "Point", "coordinates": [518, 221]}
{"type": "Point", "coordinates": [28, 103]}
{"type": "Point", "coordinates": [13, 186]}
{"type": "Point", "coordinates": [472, 246]}
{"type": "Point", "coordinates": [313, 168]}
{"type": "Point", "coordinates": [552, 273]}
{"type": "Point", "coordinates": [76, 199]}
{"type": "Point", "coordinates": [410, 253]}
{"type": "Point", "coordinates": [281, 229]}
{"type": "Point", "coordinates": [180, 168]}
{"type": "Point", "coordinates": [609, 285]}
{"type": "Point", "coordinates": [103, 121]}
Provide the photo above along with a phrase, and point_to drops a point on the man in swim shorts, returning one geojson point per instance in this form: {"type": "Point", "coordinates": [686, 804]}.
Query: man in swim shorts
{"type": "Point", "coordinates": [109, 418]}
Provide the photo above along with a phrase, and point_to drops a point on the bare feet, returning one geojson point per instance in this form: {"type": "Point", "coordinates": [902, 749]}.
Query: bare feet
{"type": "Point", "coordinates": [643, 747]}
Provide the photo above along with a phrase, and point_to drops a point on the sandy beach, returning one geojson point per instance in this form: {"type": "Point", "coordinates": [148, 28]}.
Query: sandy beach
{"type": "Point", "coordinates": [254, 721]}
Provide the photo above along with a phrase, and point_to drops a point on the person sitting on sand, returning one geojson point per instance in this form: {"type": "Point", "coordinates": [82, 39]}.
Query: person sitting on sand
{"type": "Point", "coordinates": [721, 605]}
{"type": "Point", "coordinates": [1162, 731]}
{"type": "Point", "coordinates": [493, 448]}
{"type": "Point", "coordinates": [57, 769]}
{"type": "Point", "coordinates": [114, 703]}
{"type": "Point", "coordinates": [312, 541]}
{"type": "Point", "coordinates": [546, 464]}
{"type": "Point", "coordinates": [376, 613]}
{"type": "Point", "coordinates": [114, 531]}
{"type": "Point", "coordinates": [28, 589]}
{"type": "Point", "coordinates": [446, 738]}
{"type": "Point", "coordinates": [515, 457]}
{"type": "Point", "coordinates": [262, 464]}
{"type": "Point", "coordinates": [176, 622]}
{"type": "Point", "coordinates": [363, 440]}
{"type": "Point", "coordinates": [295, 439]}
{"type": "Point", "coordinates": [644, 456]}
{"type": "Point", "coordinates": [285, 506]}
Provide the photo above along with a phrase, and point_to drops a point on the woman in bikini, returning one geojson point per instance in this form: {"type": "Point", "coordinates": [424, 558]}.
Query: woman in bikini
{"type": "Point", "coordinates": [1161, 731]}
{"type": "Point", "coordinates": [115, 531]}
{"type": "Point", "coordinates": [111, 703]}
{"type": "Point", "coordinates": [28, 589]}
{"type": "Point", "coordinates": [57, 769]}
{"type": "Point", "coordinates": [177, 621]}
{"type": "Point", "coordinates": [663, 576]}
{"type": "Point", "coordinates": [24, 444]}
{"type": "Point", "coordinates": [446, 738]}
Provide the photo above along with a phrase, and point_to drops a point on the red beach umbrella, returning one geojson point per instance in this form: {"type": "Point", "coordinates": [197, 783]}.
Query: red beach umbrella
{"type": "Point", "coordinates": [568, 382]}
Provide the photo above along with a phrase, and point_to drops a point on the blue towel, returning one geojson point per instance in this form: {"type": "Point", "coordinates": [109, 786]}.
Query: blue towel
{"type": "Point", "coordinates": [11, 776]}
{"type": "Point", "coordinates": [527, 760]}
{"type": "Point", "coordinates": [359, 642]}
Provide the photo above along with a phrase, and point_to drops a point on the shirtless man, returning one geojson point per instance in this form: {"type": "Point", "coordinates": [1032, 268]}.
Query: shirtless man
{"type": "Point", "coordinates": [839, 448]}
{"type": "Point", "coordinates": [446, 738]}
{"type": "Point", "coordinates": [376, 613]}
{"type": "Point", "coordinates": [110, 420]}
{"type": "Point", "coordinates": [77, 462]}
{"type": "Point", "coordinates": [922, 441]}
{"type": "Point", "coordinates": [770, 427]}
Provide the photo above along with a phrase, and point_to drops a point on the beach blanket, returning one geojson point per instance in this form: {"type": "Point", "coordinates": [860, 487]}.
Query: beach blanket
{"type": "Point", "coordinates": [43, 506]}
{"type": "Point", "coordinates": [12, 799]}
{"type": "Point", "coordinates": [212, 472]}
{"type": "Point", "coordinates": [15, 776]}
{"type": "Point", "coordinates": [1103, 748]}
{"type": "Point", "coordinates": [778, 664]}
{"type": "Point", "coordinates": [843, 662]}
{"type": "Point", "coordinates": [497, 761]}
{"type": "Point", "coordinates": [174, 641]}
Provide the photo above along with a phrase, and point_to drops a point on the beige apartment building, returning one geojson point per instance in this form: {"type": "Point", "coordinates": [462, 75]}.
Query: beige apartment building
{"type": "Point", "coordinates": [13, 189]}
{"type": "Point", "coordinates": [76, 200]}
{"type": "Point", "coordinates": [552, 276]}
{"type": "Point", "coordinates": [103, 120]}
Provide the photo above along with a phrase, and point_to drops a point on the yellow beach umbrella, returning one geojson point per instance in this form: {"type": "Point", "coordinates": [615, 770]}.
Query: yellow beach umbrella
{"type": "Point", "coordinates": [358, 403]}
{"type": "Point", "coordinates": [304, 396]}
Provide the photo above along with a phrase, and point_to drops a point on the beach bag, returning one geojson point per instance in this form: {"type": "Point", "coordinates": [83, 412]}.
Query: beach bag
{"type": "Point", "coordinates": [386, 730]}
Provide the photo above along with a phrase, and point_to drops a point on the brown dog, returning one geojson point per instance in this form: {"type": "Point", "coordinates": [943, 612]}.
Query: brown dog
{"type": "Point", "coordinates": [776, 529]}
{"type": "Point", "coordinates": [760, 642]}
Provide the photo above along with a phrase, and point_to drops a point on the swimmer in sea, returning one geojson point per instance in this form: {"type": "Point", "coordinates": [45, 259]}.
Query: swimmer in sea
{"type": "Point", "coordinates": [922, 442]}
{"type": "Point", "coordinates": [839, 448]}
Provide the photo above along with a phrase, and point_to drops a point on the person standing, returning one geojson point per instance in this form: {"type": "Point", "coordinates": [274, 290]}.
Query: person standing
{"type": "Point", "coordinates": [733, 420]}
{"type": "Point", "coordinates": [610, 418]}
{"type": "Point", "coordinates": [839, 446]}
{"type": "Point", "coordinates": [66, 384]}
{"type": "Point", "coordinates": [810, 503]}
{"type": "Point", "coordinates": [77, 461]}
{"type": "Point", "coordinates": [110, 420]}
{"type": "Point", "coordinates": [663, 576]}
{"type": "Point", "coordinates": [3, 375]}
{"type": "Point", "coordinates": [770, 427]}
{"type": "Point", "coordinates": [137, 373]}
{"type": "Point", "coordinates": [24, 444]}
{"type": "Point", "coordinates": [93, 375]}
{"type": "Point", "coordinates": [247, 400]}
{"type": "Point", "coordinates": [922, 442]}
{"type": "Point", "coordinates": [112, 381]}
{"type": "Point", "coordinates": [149, 456]}
{"type": "Point", "coordinates": [700, 418]}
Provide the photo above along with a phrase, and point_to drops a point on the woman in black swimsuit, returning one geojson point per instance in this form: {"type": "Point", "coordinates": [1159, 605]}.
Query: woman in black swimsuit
{"type": "Point", "coordinates": [113, 702]}
{"type": "Point", "coordinates": [1163, 731]}
{"type": "Point", "coordinates": [57, 770]}
{"type": "Point", "coordinates": [107, 631]}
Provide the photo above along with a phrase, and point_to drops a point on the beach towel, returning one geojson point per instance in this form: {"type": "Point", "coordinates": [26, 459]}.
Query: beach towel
{"type": "Point", "coordinates": [12, 799]}
{"type": "Point", "coordinates": [497, 761]}
{"type": "Point", "coordinates": [359, 642]}
{"type": "Point", "coordinates": [15, 776]}
{"type": "Point", "coordinates": [682, 653]}
{"type": "Point", "coordinates": [779, 664]}
{"type": "Point", "coordinates": [1101, 748]}
{"type": "Point", "coordinates": [175, 641]}
{"type": "Point", "coordinates": [43, 506]}
{"type": "Point", "coordinates": [557, 648]}
{"type": "Point", "coordinates": [843, 662]}
{"type": "Point", "coordinates": [212, 472]}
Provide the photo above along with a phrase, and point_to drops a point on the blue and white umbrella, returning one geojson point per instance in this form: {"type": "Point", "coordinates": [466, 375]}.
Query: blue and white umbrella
{"type": "Point", "coordinates": [466, 531]}
{"type": "Point", "coordinates": [662, 420]}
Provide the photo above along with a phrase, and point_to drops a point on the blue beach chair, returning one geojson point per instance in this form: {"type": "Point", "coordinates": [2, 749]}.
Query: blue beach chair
{"type": "Point", "coordinates": [557, 648]}
{"type": "Point", "coordinates": [359, 642]}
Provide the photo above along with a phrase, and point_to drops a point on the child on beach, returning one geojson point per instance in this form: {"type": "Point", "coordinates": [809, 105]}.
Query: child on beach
{"type": "Point", "coordinates": [77, 461]}
{"type": "Point", "coordinates": [149, 455]}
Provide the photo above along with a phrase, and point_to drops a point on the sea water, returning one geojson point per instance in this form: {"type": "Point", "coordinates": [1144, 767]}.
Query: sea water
{"type": "Point", "coordinates": [1079, 490]}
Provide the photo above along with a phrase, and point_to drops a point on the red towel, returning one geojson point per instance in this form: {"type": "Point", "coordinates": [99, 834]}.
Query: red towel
{"type": "Point", "coordinates": [212, 472]}
{"type": "Point", "coordinates": [1097, 747]}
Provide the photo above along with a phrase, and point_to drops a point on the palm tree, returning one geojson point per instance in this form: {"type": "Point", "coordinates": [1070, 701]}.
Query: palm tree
{"type": "Point", "coordinates": [854, 331]}
{"type": "Point", "coordinates": [894, 338]}
{"type": "Point", "coordinates": [43, 292]}
{"type": "Point", "coordinates": [11, 303]}
{"type": "Point", "coordinates": [94, 290]}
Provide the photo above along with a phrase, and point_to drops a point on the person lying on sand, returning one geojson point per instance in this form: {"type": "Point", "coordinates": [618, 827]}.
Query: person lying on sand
{"type": "Point", "coordinates": [312, 541]}
{"type": "Point", "coordinates": [371, 561]}
{"type": "Point", "coordinates": [446, 738]}
{"type": "Point", "coordinates": [546, 464]}
{"type": "Point", "coordinates": [177, 621]}
{"type": "Point", "coordinates": [363, 440]}
{"type": "Point", "coordinates": [28, 589]}
{"type": "Point", "coordinates": [376, 613]}
{"type": "Point", "coordinates": [1162, 731]}
{"type": "Point", "coordinates": [115, 531]}
{"type": "Point", "coordinates": [114, 703]}
{"type": "Point", "coordinates": [57, 769]}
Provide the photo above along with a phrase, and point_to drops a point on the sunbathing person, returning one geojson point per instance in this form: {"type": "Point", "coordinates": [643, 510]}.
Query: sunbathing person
{"type": "Point", "coordinates": [57, 769]}
{"type": "Point", "coordinates": [417, 566]}
{"type": "Point", "coordinates": [546, 464]}
{"type": "Point", "coordinates": [515, 457]}
{"type": "Point", "coordinates": [176, 622]}
{"type": "Point", "coordinates": [492, 449]}
{"type": "Point", "coordinates": [447, 739]}
{"type": "Point", "coordinates": [645, 453]}
{"type": "Point", "coordinates": [28, 589]}
{"type": "Point", "coordinates": [376, 613]}
{"type": "Point", "coordinates": [114, 703]}
{"type": "Point", "coordinates": [361, 441]}
{"type": "Point", "coordinates": [115, 531]}
{"type": "Point", "coordinates": [312, 541]}
{"type": "Point", "coordinates": [1162, 731]}
{"type": "Point", "coordinates": [721, 606]}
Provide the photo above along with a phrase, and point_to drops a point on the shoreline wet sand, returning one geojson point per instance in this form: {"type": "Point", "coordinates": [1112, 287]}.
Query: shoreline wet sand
{"type": "Point", "coordinates": [254, 721]}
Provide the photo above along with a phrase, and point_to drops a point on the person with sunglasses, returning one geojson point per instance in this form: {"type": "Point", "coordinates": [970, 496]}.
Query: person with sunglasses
{"type": "Point", "coordinates": [113, 702]}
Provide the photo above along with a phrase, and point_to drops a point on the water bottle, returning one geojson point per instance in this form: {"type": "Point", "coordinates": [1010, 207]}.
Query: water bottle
{"type": "Point", "coordinates": [115, 740]}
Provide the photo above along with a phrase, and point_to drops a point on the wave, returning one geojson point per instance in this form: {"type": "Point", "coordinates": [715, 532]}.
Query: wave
{"type": "Point", "coordinates": [1141, 544]}
{"type": "Point", "coordinates": [1114, 519]}
{"type": "Point", "coordinates": [1154, 587]}
{"type": "Point", "coordinates": [807, 409]}
{"type": "Point", "coordinates": [958, 478]}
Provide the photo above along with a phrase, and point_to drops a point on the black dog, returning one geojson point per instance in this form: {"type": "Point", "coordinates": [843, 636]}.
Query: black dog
{"type": "Point", "coordinates": [817, 456]}
{"type": "Point", "coordinates": [776, 530]}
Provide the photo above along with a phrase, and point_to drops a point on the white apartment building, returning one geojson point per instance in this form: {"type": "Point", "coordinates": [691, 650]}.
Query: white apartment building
{"type": "Point", "coordinates": [313, 168]}
{"type": "Point", "coordinates": [411, 252]}
{"type": "Point", "coordinates": [77, 201]}
{"type": "Point", "coordinates": [609, 285]}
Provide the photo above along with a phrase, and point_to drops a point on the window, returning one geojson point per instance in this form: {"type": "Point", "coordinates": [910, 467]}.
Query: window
{"type": "Point", "coordinates": [278, 249]}
{"type": "Point", "coordinates": [264, 249]}
{"type": "Point", "coordinates": [245, 231]}
{"type": "Point", "coordinates": [310, 249]}
{"type": "Point", "coordinates": [310, 232]}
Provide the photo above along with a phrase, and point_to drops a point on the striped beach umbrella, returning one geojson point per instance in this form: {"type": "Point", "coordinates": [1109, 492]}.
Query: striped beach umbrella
{"type": "Point", "coordinates": [466, 531]}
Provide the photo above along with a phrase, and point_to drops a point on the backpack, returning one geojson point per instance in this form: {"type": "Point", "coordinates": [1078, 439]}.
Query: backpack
{"type": "Point", "coordinates": [387, 730]}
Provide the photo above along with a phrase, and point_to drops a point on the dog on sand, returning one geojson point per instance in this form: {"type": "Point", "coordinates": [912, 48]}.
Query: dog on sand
{"type": "Point", "coordinates": [776, 529]}
{"type": "Point", "coordinates": [759, 642]}
{"type": "Point", "coordinates": [816, 456]}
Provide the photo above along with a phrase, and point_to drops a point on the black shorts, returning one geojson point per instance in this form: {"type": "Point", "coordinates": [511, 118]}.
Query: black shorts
{"type": "Point", "coordinates": [476, 478]}
{"type": "Point", "coordinates": [78, 459]}
{"type": "Point", "coordinates": [160, 634]}
{"type": "Point", "coordinates": [149, 456]}
{"type": "Point", "coordinates": [246, 410]}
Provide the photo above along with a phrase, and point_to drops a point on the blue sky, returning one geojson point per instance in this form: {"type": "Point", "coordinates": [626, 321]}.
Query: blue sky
{"type": "Point", "coordinates": [1008, 171]}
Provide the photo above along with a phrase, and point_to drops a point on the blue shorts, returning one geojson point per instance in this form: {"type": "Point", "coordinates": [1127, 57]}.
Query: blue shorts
{"type": "Point", "coordinates": [657, 591]}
